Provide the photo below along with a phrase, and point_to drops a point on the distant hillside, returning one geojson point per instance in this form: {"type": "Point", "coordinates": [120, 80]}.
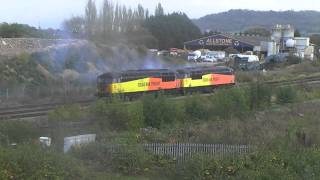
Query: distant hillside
{"type": "Point", "coordinates": [239, 20]}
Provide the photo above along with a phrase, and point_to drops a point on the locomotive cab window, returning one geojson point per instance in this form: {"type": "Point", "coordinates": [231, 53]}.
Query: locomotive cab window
{"type": "Point", "coordinates": [196, 76]}
{"type": "Point", "coordinates": [168, 78]}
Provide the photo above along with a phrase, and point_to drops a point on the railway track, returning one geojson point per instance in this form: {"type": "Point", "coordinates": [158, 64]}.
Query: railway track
{"type": "Point", "coordinates": [32, 111]}
{"type": "Point", "coordinates": [302, 81]}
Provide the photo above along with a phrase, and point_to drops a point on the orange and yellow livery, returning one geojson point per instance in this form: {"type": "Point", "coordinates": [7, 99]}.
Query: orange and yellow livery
{"type": "Point", "coordinates": [140, 81]}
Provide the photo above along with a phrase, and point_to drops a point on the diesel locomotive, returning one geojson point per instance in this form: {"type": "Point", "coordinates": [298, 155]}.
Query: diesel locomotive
{"type": "Point", "coordinates": [137, 82]}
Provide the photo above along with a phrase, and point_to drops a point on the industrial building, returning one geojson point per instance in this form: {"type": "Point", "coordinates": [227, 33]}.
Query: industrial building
{"type": "Point", "coordinates": [241, 43]}
{"type": "Point", "coordinates": [282, 40]}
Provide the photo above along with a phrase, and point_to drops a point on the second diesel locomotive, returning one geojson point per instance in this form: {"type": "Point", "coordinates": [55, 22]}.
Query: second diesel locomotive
{"type": "Point", "coordinates": [135, 82]}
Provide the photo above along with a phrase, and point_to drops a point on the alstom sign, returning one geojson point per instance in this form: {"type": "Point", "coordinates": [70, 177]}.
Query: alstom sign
{"type": "Point", "coordinates": [217, 41]}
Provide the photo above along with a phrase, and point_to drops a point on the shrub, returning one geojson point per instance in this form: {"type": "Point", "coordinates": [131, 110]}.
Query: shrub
{"type": "Point", "coordinates": [136, 118]}
{"type": "Point", "coordinates": [131, 160]}
{"type": "Point", "coordinates": [270, 163]}
{"type": "Point", "coordinates": [66, 114]}
{"type": "Point", "coordinates": [33, 162]}
{"type": "Point", "coordinates": [119, 116]}
{"type": "Point", "coordinates": [259, 96]}
{"type": "Point", "coordinates": [124, 158]}
{"type": "Point", "coordinates": [160, 111]}
{"type": "Point", "coordinates": [294, 60]}
{"type": "Point", "coordinates": [18, 132]}
{"type": "Point", "coordinates": [230, 102]}
{"type": "Point", "coordinates": [196, 108]}
{"type": "Point", "coordinates": [286, 95]}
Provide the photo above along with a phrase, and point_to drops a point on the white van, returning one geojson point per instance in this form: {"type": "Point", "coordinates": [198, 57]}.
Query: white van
{"type": "Point", "coordinates": [247, 58]}
{"type": "Point", "coordinates": [194, 56]}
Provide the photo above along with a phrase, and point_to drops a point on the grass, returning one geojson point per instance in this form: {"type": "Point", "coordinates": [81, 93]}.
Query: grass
{"type": "Point", "coordinates": [292, 72]}
{"type": "Point", "coordinates": [283, 123]}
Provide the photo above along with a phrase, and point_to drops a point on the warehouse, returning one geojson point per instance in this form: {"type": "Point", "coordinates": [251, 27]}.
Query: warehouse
{"type": "Point", "coordinates": [241, 43]}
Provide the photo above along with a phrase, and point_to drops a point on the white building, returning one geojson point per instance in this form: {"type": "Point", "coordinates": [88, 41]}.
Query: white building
{"type": "Point", "coordinates": [283, 41]}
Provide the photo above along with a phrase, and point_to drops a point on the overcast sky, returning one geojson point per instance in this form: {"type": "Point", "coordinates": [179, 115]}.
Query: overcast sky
{"type": "Point", "coordinates": [51, 13]}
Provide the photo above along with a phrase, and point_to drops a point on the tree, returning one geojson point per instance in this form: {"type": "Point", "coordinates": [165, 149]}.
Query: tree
{"type": "Point", "coordinates": [90, 18]}
{"type": "Point", "coordinates": [159, 10]}
{"type": "Point", "coordinates": [315, 39]}
{"type": "Point", "coordinates": [172, 30]}
{"type": "Point", "coordinates": [115, 24]}
{"type": "Point", "coordinates": [297, 33]}
{"type": "Point", "coordinates": [107, 16]}
{"type": "Point", "coordinates": [258, 31]}
{"type": "Point", "coordinates": [74, 26]}
{"type": "Point", "coordinates": [20, 30]}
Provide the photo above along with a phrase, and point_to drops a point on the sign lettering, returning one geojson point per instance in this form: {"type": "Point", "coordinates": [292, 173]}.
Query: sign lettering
{"type": "Point", "coordinates": [144, 84]}
{"type": "Point", "coordinates": [217, 42]}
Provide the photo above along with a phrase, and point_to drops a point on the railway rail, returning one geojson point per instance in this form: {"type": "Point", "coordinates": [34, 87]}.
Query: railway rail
{"type": "Point", "coordinates": [32, 111]}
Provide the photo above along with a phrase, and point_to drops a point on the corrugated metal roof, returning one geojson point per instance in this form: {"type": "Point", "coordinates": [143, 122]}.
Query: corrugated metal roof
{"type": "Point", "coordinates": [249, 39]}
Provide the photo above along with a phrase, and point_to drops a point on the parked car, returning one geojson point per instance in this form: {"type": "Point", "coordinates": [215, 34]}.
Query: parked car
{"type": "Point", "coordinates": [210, 58]}
{"type": "Point", "coordinates": [163, 53]}
{"type": "Point", "coordinates": [219, 55]}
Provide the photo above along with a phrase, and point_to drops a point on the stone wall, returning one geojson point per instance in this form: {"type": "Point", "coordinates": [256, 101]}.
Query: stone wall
{"type": "Point", "coordinates": [14, 46]}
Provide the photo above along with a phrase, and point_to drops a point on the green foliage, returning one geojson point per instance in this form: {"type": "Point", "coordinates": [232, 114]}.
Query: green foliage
{"type": "Point", "coordinates": [258, 31]}
{"type": "Point", "coordinates": [160, 111]}
{"type": "Point", "coordinates": [315, 39]}
{"type": "Point", "coordinates": [21, 69]}
{"type": "Point", "coordinates": [20, 30]}
{"type": "Point", "coordinates": [127, 159]}
{"type": "Point", "coordinates": [297, 33]}
{"type": "Point", "coordinates": [293, 60]}
{"type": "Point", "coordinates": [237, 20]}
{"type": "Point", "coordinates": [259, 95]}
{"type": "Point", "coordinates": [67, 113]}
{"type": "Point", "coordinates": [271, 163]}
{"type": "Point", "coordinates": [118, 116]}
{"type": "Point", "coordinates": [286, 95]}
{"type": "Point", "coordinates": [230, 103]}
{"type": "Point", "coordinates": [197, 108]}
{"type": "Point", "coordinates": [164, 28]}
{"type": "Point", "coordinates": [136, 116]}
{"type": "Point", "coordinates": [279, 160]}
{"type": "Point", "coordinates": [18, 132]}
{"type": "Point", "coordinates": [172, 30]}
{"type": "Point", "coordinates": [159, 10]}
{"type": "Point", "coordinates": [131, 160]}
{"type": "Point", "coordinates": [33, 162]}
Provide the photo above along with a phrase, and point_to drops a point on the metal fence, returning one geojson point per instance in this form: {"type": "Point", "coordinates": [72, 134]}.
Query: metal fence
{"type": "Point", "coordinates": [186, 151]}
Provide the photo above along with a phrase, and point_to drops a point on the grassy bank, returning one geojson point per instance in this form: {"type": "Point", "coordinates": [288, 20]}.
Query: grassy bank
{"type": "Point", "coordinates": [281, 123]}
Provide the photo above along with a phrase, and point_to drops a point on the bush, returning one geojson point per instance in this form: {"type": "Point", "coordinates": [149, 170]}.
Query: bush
{"type": "Point", "coordinates": [286, 95]}
{"type": "Point", "coordinates": [259, 96]}
{"type": "Point", "coordinates": [230, 103]}
{"type": "Point", "coordinates": [196, 108]}
{"type": "Point", "coordinates": [271, 163]}
{"type": "Point", "coordinates": [18, 132]}
{"type": "Point", "coordinates": [293, 60]}
{"type": "Point", "coordinates": [67, 113]}
{"type": "Point", "coordinates": [33, 162]}
{"type": "Point", "coordinates": [160, 111]}
{"type": "Point", "coordinates": [125, 159]}
{"type": "Point", "coordinates": [119, 116]}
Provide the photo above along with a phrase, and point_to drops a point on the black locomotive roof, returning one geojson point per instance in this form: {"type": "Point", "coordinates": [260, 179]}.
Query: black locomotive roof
{"type": "Point", "coordinates": [139, 72]}
{"type": "Point", "coordinates": [160, 72]}
{"type": "Point", "coordinates": [206, 69]}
